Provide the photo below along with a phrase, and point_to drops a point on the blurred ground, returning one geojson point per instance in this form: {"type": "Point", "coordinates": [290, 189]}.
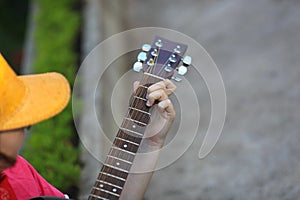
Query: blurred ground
{"type": "Point", "coordinates": [256, 47]}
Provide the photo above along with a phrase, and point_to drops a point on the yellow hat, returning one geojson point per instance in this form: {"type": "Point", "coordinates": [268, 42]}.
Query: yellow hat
{"type": "Point", "coordinates": [29, 99]}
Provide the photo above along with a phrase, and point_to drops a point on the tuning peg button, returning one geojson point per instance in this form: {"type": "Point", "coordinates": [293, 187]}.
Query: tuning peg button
{"type": "Point", "coordinates": [182, 70]}
{"type": "Point", "coordinates": [137, 66]}
{"type": "Point", "coordinates": [176, 79]}
{"type": "Point", "coordinates": [146, 47]}
{"type": "Point", "coordinates": [187, 61]}
{"type": "Point", "coordinates": [142, 56]}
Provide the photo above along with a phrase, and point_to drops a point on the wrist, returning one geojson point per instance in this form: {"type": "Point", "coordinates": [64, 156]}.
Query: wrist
{"type": "Point", "coordinates": [151, 144]}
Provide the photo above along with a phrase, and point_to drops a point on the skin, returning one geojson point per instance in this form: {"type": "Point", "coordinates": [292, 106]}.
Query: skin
{"type": "Point", "coordinates": [157, 130]}
{"type": "Point", "coordinates": [10, 143]}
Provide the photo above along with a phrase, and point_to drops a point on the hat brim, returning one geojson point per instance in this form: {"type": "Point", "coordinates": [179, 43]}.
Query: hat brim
{"type": "Point", "coordinates": [46, 95]}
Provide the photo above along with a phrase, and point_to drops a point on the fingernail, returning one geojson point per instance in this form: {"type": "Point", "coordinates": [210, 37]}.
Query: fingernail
{"type": "Point", "coordinates": [148, 103]}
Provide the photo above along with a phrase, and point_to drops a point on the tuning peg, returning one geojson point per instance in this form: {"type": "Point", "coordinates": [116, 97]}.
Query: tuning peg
{"type": "Point", "coordinates": [187, 61]}
{"type": "Point", "coordinates": [172, 58]}
{"type": "Point", "coordinates": [150, 62]}
{"type": "Point", "coordinates": [146, 47]}
{"type": "Point", "coordinates": [154, 53]}
{"type": "Point", "coordinates": [177, 50]}
{"type": "Point", "coordinates": [176, 79]}
{"type": "Point", "coordinates": [137, 66]}
{"type": "Point", "coordinates": [182, 70]}
{"type": "Point", "coordinates": [158, 43]}
{"type": "Point", "coordinates": [168, 68]}
{"type": "Point", "coordinates": [142, 56]}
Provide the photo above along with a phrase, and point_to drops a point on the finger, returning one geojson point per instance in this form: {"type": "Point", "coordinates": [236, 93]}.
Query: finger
{"type": "Point", "coordinates": [170, 87]}
{"type": "Point", "coordinates": [167, 108]}
{"type": "Point", "coordinates": [157, 95]}
{"type": "Point", "coordinates": [166, 85]}
{"type": "Point", "coordinates": [135, 85]}
{"type": "Point", "coordinates": [157, 86]}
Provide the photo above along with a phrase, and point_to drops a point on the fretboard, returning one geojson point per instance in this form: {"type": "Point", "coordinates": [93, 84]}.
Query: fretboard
{"type": "Point", "coordinates": [114, 172]}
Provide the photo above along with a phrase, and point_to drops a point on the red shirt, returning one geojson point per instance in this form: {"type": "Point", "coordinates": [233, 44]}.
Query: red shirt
{"type": "Point", "coordinates": [6, 192]}
{"type": "Point", "coordinates": [22, 182]}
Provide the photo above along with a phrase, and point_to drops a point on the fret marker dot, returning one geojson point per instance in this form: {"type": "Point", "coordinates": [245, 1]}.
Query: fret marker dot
{"type": "Point", "coordinates": [125, 145]}
{"type": "Point", "coordinates": [101, 185]}
{"type": "Point", "coordinates": [133, 126]}
{"type": "Point", "coordinates": [118, 163]}
{"type": "Point", "coordinates": [114, 190]}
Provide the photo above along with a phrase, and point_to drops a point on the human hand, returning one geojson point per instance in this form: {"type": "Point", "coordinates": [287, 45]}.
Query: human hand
{"type": "Point", "coordinates": [162, 112]}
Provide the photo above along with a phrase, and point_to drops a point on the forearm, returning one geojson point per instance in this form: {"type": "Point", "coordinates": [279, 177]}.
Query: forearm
{"type": "Point", "coordinates": [145, 161]}
{"type": "Point", "coordinates": [141, 171]}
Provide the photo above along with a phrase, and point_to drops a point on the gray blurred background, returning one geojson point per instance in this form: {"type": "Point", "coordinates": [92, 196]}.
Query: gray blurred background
{"type": "Point", "coordinates": [255, 45]}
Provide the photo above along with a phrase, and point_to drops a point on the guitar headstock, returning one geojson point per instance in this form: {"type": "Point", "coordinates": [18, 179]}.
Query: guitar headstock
{"type": "Point", "coordinates": [162, 58]}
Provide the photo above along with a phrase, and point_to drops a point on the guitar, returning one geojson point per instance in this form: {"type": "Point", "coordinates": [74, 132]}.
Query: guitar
{"type": "Point", "coordinates": [158, 62]}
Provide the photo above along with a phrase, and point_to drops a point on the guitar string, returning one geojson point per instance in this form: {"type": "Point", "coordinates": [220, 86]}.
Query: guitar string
{"type": "Point", "coordinates": [142, 93]}
{"type": "Point", "coordinates": [168, 61]}
{"type": "Point", "coordinates": [139, 92]}
{"type": "Point", "coordinates": [152, 69]}
{"type": "Point", "coordinates": [145, 78]}
{"type": "Point", "coordinates": [135, 100]}
{"type": "Point", "coordinates": [135, 114]}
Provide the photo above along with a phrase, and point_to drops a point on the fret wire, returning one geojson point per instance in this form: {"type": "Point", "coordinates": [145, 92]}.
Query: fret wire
{"type": "Point", "coordinates": [122, 166]}
{"type": "Point", "coordinates": [127, 156]}
{"type": "Point", "coordinates": [130, 147]}
{"type": "Point", "coordinates": [138, 106]}
{"type": "Point", "coordinates": [131, 131]}
{"type": "Point", "coordinates": [140, 98]}
{"type": "Point", "coordinates": [114, 172]}
{"type": "Point", "coordinates": [122, 179]}
{"type": "Point", "coordinates": [98, 197]}
{"type": "Point", "coordinates": [107, 183]}
{"type": "Point", "coordinates": [139, 103]}
{"type": "Point", "coordinates": [126, 118]}
{"type": "Point", "coordinates": [127, 141]}
{"type": "Point", "coordinates": [109, 192]}
{"type": "Point", "coordinates": [143, 86]}
{"type": "Point", "coordinates": [106, 187]}
{"type": "Point", "coordinates": [137, 115]}
{"type": "Point", "coordinates": [120, 159]}
{"type": "Point", "coordinates": [117, 148]}
{"type": "Point", "coordinates": [137, 110]}
{"type": "Point", "coordinates": [112, 180]}
{"type": "Point", "coordinates": [126, 146]}
{"type": "Point", "coordinates": [117, 168]}
{"type": "Point", "coordinates": [140, 111]}
{"type": "Point", "coordinates": [122, 134]}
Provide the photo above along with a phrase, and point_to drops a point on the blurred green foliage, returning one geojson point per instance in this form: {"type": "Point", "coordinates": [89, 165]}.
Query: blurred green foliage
{"type": "Point", "coordinates": [51, 147]}
{"type": "Point", "coordinates": [13, 15]}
